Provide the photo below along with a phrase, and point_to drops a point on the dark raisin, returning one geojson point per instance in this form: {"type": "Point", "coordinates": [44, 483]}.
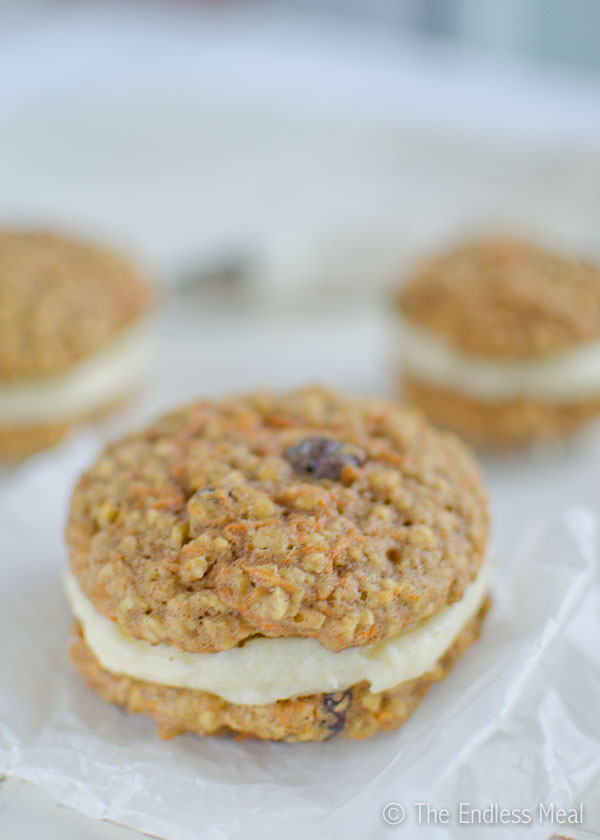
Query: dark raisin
{"type": "Point", "coordinates": [323, 457]}
{"type": "Point", "coordinates": [336, 707]}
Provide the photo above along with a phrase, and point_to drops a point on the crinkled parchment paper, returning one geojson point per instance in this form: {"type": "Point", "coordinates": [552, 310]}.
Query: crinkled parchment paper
{"type": "Point", "coordinates": [516, 723]}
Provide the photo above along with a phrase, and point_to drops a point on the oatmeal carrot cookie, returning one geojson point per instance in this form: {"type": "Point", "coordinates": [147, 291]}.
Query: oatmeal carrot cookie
{"type": "Point", "coordinates": [288, 566]}
{"type": "Point", "coordinates": [500, 341]}
{"type": "Point", "coordinates": [73, 336]}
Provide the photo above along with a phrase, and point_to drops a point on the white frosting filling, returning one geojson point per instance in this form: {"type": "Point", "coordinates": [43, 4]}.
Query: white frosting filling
{"type": "Point", "coordinates": [561, 377]}
{"type": "Point", "coordinates": [89, 385]}
{"type": "Point", "coordinates": [264, 670]}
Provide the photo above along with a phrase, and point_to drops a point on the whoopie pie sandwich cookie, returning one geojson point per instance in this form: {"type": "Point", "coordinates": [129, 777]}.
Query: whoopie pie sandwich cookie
{"type": "Point", "coordinates": [500, 341]}
{"type": "Point", "coordinates": [73, 336]}
{"type": "Point", "coordinates": [288, 567]}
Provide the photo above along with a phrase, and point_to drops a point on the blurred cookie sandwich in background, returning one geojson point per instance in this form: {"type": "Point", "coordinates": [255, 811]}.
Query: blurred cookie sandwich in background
{"type": "Point", "coordinates": [74, 336]}
{"type": "Point", "coordinates": [500, 342]}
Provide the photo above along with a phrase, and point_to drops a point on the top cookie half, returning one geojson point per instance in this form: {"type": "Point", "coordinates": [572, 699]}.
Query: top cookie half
{"type": "Point", "coordinates": [505, 299]}
{"type": "Point", "coordinates": [304, 514]}
{"type": "Point", "coordinates": [60, 301]}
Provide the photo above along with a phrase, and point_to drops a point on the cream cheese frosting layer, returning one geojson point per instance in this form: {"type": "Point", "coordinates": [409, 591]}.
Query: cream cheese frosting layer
{"type": "Point", "coordinates": [87, 386]}
{"type": "Point", "coordinates": [563, 377]}
{"type": "Point", "coordinates": [264, 669]}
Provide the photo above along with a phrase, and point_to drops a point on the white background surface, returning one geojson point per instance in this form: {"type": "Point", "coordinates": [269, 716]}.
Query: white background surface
{"type": "Point", "coordinates": [322, 155]}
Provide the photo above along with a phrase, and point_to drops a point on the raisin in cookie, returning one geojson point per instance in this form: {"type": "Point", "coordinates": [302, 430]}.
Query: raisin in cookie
{"type": "Point", "coordinates": [290, 566]}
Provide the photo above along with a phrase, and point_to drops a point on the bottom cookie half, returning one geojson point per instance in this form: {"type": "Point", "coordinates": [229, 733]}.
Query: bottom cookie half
{"type": "Point", "coordinates": [354, 713]}
{"type": "Point", "coordinates": [501, 424]}
{"type": "Point", "coordinates": [21, 440]}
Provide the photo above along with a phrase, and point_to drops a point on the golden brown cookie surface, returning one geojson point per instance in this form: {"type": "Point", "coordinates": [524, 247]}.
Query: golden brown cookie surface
{"type": "Point", "coordinates": [505, 299]}
{"type": "Point", "coordinates": [60, 301]}
{"type": "Point", "coordinates": [303, 514]}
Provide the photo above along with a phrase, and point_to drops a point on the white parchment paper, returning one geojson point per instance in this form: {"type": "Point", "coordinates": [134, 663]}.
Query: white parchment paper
{"type": "Point", "coordinates": [516, 723]}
